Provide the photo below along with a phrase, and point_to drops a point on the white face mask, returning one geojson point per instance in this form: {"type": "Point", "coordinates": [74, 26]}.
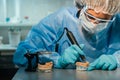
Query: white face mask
{"type": "Point", "coordinates": [89, 26]}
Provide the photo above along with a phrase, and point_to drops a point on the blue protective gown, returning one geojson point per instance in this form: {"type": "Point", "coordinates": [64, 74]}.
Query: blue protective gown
{"type": "Point", "coordinates": [46, 34]}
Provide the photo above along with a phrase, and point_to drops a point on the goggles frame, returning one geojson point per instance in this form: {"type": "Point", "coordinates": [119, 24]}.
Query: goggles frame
{"type": "Point", "coordinates": [94, 19]}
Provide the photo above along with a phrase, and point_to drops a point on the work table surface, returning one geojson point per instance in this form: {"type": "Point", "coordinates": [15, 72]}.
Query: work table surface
{"type": "Point", "coordinates": [68, 74]}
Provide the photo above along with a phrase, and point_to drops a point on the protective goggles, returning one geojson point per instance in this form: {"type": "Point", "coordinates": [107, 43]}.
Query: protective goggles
{"type": "Point", "coordinates": [95, 19]}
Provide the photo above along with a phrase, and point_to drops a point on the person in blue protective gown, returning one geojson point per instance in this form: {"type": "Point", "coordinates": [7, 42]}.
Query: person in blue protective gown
{"type": "Point", "coordinates": [94, 23]}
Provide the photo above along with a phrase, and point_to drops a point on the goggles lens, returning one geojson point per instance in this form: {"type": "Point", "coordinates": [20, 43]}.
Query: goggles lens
{"type": "Point", "coordinates": [95, 19]}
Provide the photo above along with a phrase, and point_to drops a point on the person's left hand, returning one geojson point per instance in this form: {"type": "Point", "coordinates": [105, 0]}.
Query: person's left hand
{"type": "Point", "coordinates": [104, 62]}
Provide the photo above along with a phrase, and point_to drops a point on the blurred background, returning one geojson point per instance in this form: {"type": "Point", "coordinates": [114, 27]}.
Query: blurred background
{"type": "Point", "coordinates": [22, 14]}
{"type": "Point", "coordinates": [16, 19]}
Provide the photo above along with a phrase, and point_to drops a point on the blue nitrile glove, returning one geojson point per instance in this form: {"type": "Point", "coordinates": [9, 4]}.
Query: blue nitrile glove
{"type": "Point", "coordinates": [70, 55]}
{"type": "Point", "coordinates": [104, 62]}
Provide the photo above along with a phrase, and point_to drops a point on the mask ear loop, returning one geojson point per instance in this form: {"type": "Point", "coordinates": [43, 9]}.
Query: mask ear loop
{"type": "Point", "coordinates": [82, 11]}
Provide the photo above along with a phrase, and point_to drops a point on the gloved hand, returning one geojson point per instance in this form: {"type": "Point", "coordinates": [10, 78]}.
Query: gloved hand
{"type": "Point", "coordinates": [104, 62]}
{"type": "Point", "coordinates": [70, 55]}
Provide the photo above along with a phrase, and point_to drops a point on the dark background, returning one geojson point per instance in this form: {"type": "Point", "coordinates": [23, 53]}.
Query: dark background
{"type": "Point", "coordinates": [7, 68]}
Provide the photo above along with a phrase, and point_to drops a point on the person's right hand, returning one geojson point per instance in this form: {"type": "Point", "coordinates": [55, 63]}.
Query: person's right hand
{"type": "Point", "coordinates": [104, 62]}
{"type": "Point", "coordinates": [70, 55]}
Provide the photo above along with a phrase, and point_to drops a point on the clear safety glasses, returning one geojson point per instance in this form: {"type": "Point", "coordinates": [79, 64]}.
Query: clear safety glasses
{"type": "Point", "coordinates": [95, 19]}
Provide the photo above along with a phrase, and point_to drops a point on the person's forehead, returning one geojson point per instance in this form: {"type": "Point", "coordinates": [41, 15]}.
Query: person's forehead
{"type": "Point", "coordinates": [98, 15]}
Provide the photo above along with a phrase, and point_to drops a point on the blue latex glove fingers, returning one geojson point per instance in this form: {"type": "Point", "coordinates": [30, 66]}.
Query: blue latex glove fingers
{"type": "Point", "coordinates": [113, 64]}
{"type": "Point", "coordinates": [104, 62]}
{"type": "Point", "coordinates": [92, 66]}
{"type": "Point", "coordinates": [78, 49]}
{"type": "Point", "coordinates": [112, 67]}
{"type": "Point", "coordinates": [110, 62]}
{"type": "Point", "coordinates": [100, 64]}
{"type": "Point", "coordinates": [109, 66]}
{"type": "Point", "coordinates": [70, 55]}
{"type": "Point", "coordinates": [105, 66]}
{"type": "Point", "coordinates": [70, 59]}
{"type": "Point", "coordinates": [73, 52]}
